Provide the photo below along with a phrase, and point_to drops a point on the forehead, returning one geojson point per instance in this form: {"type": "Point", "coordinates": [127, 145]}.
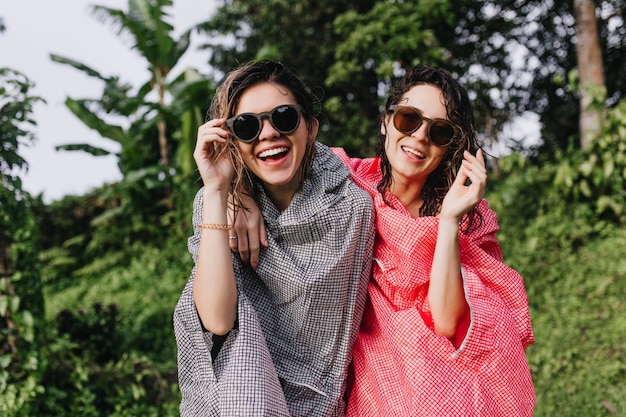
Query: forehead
{"type": "Point", "coordinates": [428, 98]}
{"type": "Point", "coordinates": [264, 96]}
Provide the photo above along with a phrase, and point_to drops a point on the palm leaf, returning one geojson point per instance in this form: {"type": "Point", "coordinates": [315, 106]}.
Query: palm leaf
{"type": "Point", "coordinates": [79, 66]}
{"type": "Point", "coordinates": [83, 147]}
{"type": "Point", "coordinates": [93, 121]}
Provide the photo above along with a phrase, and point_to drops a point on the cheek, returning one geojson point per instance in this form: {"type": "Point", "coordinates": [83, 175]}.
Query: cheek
{"type": "Point", "coordinates": [244, 150]}
{"type": "Point", "coordinates": [441, 153]}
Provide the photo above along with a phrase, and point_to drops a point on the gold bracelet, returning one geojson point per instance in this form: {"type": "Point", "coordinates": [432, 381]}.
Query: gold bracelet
{"type": "Point", "coordinates": [214, 226]}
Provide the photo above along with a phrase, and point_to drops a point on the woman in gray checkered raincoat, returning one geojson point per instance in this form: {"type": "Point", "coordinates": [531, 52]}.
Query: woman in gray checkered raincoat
{"type": "Point", "coordinates": [271, 337]}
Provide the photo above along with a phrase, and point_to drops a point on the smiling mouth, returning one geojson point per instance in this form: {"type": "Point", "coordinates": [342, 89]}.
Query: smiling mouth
{"type": "Point", "coordinates": [274, 153]}
{"type": "Point", "coordinates": [414, 152]}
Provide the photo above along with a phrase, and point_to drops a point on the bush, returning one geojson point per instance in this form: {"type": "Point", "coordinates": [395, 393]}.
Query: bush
{"type": "Point", "coordinates": [561, 228]}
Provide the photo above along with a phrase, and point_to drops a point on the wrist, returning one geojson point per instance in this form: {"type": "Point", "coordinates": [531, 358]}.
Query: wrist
{"type": "Point", "coordinates": [449, 225]}
{"type": "Point", "coordinates": [214, 206]}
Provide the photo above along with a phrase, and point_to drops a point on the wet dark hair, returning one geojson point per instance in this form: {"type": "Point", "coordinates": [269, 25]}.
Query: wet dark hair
{"type": "Point", "coordinates": [225, 103]}
{"type": "Point", "coordinates": [459, 112]}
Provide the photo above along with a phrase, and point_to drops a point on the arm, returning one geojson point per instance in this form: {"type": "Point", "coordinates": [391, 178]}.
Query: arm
{"type": "Point", "coordinates": [214, 287]}
{"type": "Point", "coordinates": [445, 291]}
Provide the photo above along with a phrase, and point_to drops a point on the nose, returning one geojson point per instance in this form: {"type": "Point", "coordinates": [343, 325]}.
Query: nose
{"type": "Point", "coordinates": [422, 132]}
{"type": "Point", "coordinates": [267, 130]}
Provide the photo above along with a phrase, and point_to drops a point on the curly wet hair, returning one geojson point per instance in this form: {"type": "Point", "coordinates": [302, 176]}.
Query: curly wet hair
{"type": "Point", "coordinates": [459, 112]}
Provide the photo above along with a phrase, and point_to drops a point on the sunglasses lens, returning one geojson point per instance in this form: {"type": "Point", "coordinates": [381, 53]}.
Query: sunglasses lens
{"type": "Point", "coordinates": [285, 119]}
{"type": "Point", "coordinates": [407, 120]}
{"type": "Point", "coordinates": [246, 127]}
{"type": "Point", "coordinates": [441, 133]}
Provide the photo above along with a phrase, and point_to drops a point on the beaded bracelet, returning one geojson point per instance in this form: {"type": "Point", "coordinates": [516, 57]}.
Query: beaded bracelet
{"type": "Point", "coordinates": [214, 226]}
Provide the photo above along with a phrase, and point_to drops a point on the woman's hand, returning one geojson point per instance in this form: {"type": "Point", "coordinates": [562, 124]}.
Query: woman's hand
{"type": "Point", "coordinates": [248, 231]}
{"type": "Point", "coordinates": [461, 197]}
{"type": "Point", "coordinates": [211, 155]}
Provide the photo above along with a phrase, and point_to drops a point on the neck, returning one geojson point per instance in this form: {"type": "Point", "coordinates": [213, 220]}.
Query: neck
{"type": "Point", "coordinates": [281, 195]}
{"type": "Point", "coordinates": [409, 194]}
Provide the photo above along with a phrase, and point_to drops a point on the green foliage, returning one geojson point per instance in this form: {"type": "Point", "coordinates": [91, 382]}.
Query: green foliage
{"type": "Point", "coordinates": [110, 345]}
{"type": "Point", "coordinates": [513, 56]}
{"type": "Point", "coordinates": [375, 48]}
{"type": "Point", "coordinates": [16, 106]}
{"type": "Point", "coordinates": [389, 37]}
{"type": "Point", "coordinates": [21, 300]}
{"type": "Point", "coordinates": [111, 350]}
{"type": "Point", "coordinates": [584, 186]}
{"type": "Point", "coordinates": [128, 386]}
{"type": "Point", "coordinates": [579, 319]}
{"type": "Point", "coordinates": [145, 23]}
{"type": "Point", "coordinates": [111, 284]}
{"type": "Point", "coordinates": [562, 228]}
{"type": "Point", "coordinates": [551, 43]}
{"type": "Point", "coordinates": [21, 319]}
{"type": "Point", "coordinates": [597, 174]}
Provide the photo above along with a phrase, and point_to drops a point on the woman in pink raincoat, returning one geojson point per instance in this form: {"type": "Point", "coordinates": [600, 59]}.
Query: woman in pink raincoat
{"type": "Point", "coordinates": [447, 323]}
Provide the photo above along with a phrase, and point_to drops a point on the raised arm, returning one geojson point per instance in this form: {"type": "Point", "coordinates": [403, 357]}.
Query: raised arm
{"type": "Point", "coordinates": [214, 287]}
{"type": "Point", "coordinates": [445, 292]}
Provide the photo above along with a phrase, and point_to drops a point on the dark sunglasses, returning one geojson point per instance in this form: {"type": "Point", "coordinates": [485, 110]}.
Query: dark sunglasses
{"type": "Point", "coordinates": [246, 127]}
{"type": "Point", "coordinates": [408, 119]}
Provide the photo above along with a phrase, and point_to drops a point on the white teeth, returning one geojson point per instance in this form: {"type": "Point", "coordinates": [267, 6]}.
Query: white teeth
{"type": "Point", "coordinates": [414, 152]}
{"type": "Point", "coordinates": [272, 152]}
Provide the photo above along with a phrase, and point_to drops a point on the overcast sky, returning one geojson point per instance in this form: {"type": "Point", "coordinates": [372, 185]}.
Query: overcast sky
{"type": "Point", "coordinates": [37, 28]}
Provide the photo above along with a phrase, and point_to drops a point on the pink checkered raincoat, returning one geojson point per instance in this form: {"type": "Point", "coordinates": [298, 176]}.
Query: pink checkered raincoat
{"type": "Point", "coordinates": [401, 367]}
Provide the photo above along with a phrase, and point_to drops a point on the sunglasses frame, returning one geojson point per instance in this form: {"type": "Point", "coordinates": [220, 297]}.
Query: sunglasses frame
{"type": "Point", "coordinates": [395, 109]}
{"type": "Point", "coordinates": [260, 116]}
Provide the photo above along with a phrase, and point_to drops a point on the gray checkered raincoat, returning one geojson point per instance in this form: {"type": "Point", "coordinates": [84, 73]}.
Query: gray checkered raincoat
{"type": "Point", "coordinates": [298, 312]}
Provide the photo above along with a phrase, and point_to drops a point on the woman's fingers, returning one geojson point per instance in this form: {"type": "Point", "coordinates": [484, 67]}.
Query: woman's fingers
{"type": "Point", "coordinates": [257, 237]}
{"type": "Point", "coordinates": [474, 168]}
{"type": "Point", "coordinates": [463, 195]}
{"type": "Point", "coordinates": [244, 239]}
{"type": "Point", "coordinates": [209, 133]}
{"type": "Point", "coordinates": [248, 231]}
{"type": "Point", "coordinates": [214, 166]}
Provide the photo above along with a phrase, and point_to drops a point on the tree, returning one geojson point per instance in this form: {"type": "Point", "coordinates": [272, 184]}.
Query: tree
{"type": "Point", "coordinates": [21, 299]}
{"type": "Point", "coordinates": [151, 36]}
{"type": "Point", "coordinates": [546, 34]}
{"type": "Point", "coordinates": [148, 166]}
{"type": "Point", "coordinates": [145, 25]}
{"type": "Point", "coordinates": [590, 71]}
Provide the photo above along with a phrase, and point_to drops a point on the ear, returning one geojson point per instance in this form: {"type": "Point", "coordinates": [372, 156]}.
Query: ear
{"type": "Point", "coordinates": [383, 125]}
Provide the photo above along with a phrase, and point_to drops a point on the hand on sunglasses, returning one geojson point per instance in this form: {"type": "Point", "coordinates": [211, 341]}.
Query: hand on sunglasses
{"type": "Point", "coordinates": [211, 155]}
{"type": "Point", "coordinates": [407, 119]}
{"type": "Point", "coordinates": [246, 127]}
